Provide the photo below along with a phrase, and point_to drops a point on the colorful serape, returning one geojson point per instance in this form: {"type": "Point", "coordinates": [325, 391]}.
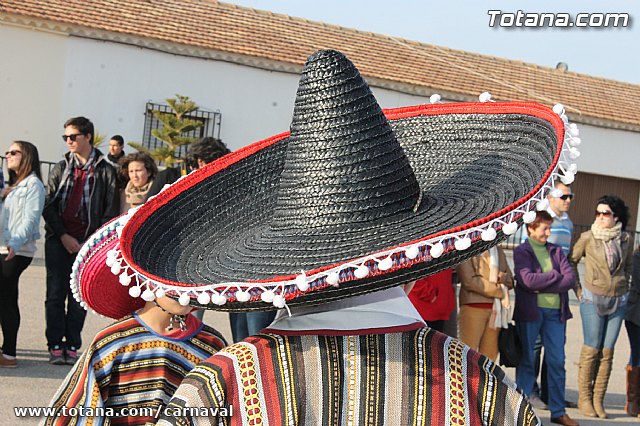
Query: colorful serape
{"type": "Point", "coordinates": [411, 377]}
{"type": "Point", "coordinates": [130, 369]}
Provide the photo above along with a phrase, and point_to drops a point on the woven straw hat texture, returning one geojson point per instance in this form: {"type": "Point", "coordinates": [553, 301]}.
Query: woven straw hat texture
{"type": "Point", "coordinates": [345, 183]}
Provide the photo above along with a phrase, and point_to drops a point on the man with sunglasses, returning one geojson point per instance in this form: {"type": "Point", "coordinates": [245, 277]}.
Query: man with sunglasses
{"type": "Point", "coordinates": [82, 195]}
{"type": "Point", "coordinates": [561, 235]}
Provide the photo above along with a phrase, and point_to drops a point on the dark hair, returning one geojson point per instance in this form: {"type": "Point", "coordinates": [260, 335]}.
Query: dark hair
{"type": "Point", "coordinates": [618, 207]}
{"type": "Point", "coordinates": [29, 162]}
{"type": "Point", "coordinates": [118, 139]}
{"type": "Point", "coordinates": [541, 216]}
{"type": "Point", "coordinates": [141, 157]}
{"type": "Point", "coordinates": [84, 126]}
{"type": "Point", "coordinates": [207, 149]}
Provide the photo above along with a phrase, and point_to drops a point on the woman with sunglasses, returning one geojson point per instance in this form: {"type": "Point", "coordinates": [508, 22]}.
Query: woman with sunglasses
{"type": "Point", "coordinates": [23, 201]}
{"type": "Point", "coordinates": [607, 250]}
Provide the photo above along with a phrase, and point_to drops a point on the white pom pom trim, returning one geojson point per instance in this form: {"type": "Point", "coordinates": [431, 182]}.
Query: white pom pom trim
{"type": "Point", "coordinates": [204, 298]}
{"type": "Point", "coordinates": [301, 282]}
{"type": "Point", "coordinates": [333, 278]}
{"type": "Point", "coordinates": [435, 98]}
{"type": "Point", "coordinates": [279, 302]}
{"type": "Point", "coordinates": [148, 295]}
{"type": "Point", "coordinates": [361, 271]}
{"type": "Point", "coordinates": [489, 234]}
{"type": "Point", "coordinates": [529, 216]}
{"type": "Point", "coordinates": [436, 250]}
{"type": "Point", "coordinates": [135, 291]}
{"type": "Point", "coordinates": [267, 296]}
{"type": "Point", "coordinates": [124, 279]}
{"type": "Point", "coordinates": [567, 178]}
{"type": "Point", "coordinates": [558, 109]}
{"type": "Point", "coordinates": [243, 296]}
{"type": "Point", "coordinates": [462, 244]}
{"type": "Point", "coordinates": [184, 299]}
{"type": "Point", "coordinates": [542, 205]}
{"type": "Point", "coordinates": [484, 97]}
{"type": "Point", "coordinates": [385, 264]}
{"type": "Point", "coordinates": [556, 193]}
{"type": "Point", "coordinates": [510, 228]}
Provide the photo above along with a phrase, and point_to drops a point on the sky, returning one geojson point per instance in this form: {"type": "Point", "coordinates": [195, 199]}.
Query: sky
{"type": "Point", "coordinates": [464, 24]}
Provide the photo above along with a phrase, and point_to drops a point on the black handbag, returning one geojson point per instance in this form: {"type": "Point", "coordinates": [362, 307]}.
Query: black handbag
{"type": "Point", "coordinates": [510, 346]}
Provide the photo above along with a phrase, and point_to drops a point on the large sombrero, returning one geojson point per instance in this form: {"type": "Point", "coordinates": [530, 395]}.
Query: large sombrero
{"type": "Point", "coordinates": [95, 285]}
{"type": "Point", "coordinates": [349, 201]}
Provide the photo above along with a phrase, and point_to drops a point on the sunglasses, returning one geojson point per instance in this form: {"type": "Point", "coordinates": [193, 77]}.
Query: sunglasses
{"type": "Point", "coordinates": [604, 213]}
{"type": "Point", "coordinates": [72, 137]}
{"type": "Point", "coordinates": [566, 197]}
{"type": "Point", "coordinates": [13, 153]}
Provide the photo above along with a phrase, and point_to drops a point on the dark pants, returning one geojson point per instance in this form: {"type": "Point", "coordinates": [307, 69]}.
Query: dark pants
{"type": "Point", "coordinates": [9, 310]}
{"type": "Point", "coordinates": [247, 324]}
{"type": "Point", "coordinates": [64, 316]}
{"type": "Point", "coordinates": [633, 331]}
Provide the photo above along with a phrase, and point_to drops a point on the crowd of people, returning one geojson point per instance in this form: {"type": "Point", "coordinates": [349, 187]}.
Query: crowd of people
{"type": "Point", "coordinates": [356, 340]}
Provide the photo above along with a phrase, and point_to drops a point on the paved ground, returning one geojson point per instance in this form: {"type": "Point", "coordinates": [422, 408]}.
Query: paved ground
{"type": "Point", "coordinates": [35, 381]}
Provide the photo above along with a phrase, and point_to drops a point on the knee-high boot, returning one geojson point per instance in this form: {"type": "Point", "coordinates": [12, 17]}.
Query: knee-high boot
{"type": "Point", "coordinates": [602, 381]}
{"type": "Point", "coordinates": [632, 407]}
{"type": "Point", "coordinates": [589, 358]}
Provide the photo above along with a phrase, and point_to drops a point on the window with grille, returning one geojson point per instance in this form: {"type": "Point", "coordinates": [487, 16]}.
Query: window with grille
{"type": "Point", "coordinates": [210, 119]}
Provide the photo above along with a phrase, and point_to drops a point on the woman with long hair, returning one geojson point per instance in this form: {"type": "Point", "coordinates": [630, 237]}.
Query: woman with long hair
{"type": "Point", "coordinates": [23, 201]}
{"type": "Point", "coordinates": [608, 253]}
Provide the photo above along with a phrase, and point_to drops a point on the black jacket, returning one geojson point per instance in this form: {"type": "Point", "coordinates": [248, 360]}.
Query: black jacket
{"type": "Point", "coordinates": [166, 176]}
{"type": "Point", "coordinates": [104, 200]}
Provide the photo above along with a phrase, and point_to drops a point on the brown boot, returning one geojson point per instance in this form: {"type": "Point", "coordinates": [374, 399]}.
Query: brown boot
{"type": "Point", "coordinates": [586, 375]}
{"type": "Point", "coordinates": [602, 381]}
{"type": "Point", "coordinates": [632, 407]}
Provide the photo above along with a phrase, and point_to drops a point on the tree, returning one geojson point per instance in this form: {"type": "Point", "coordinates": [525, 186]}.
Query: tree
{"type": "Point", "coordinates": [172, 133]}
{"type": "Point", "coordinates": [98, 140]}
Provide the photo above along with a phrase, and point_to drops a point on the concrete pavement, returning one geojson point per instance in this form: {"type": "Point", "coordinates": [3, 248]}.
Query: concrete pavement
{"type": "Point", "coordinates": [34, 382]}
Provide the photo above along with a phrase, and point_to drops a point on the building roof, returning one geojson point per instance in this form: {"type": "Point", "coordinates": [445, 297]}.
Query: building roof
{"type": "Point", "coordinates": [385, 61]}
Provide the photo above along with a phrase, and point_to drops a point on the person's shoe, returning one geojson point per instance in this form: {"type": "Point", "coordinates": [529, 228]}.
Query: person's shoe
{"type": "Point", "coordinates": [564, 420]}
{"type": "Point", "coordinates": [536, 402]}
{"type": "Point", "coordinates": [8, 363]}
{"type": "Point", "coordinates": [71, 356]}
{"type": "Point", "coordinates": [56, 356]}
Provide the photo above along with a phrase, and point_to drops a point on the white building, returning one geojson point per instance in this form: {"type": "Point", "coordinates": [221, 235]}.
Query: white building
{"type": "Point", "coordinates": [106, 59]}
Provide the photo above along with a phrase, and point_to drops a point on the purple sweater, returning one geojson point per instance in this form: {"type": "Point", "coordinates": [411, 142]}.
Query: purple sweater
{"type": "Point", "coordinates": [530, 280]}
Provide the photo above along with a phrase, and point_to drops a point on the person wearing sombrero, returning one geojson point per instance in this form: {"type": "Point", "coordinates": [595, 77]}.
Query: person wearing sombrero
{"type": "Point", "coordinates": [133, 366]}
{"type": "Point", "coordinates": [324, 223]}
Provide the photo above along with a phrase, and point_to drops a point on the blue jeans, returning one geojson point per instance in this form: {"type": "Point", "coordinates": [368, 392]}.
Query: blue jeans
{"type": "Point", "coordinates": [600, 331]}
{"type": "Point", "coordinates": [633, 331]}
{"type": "Point", "coordinates": [552, 331]}
{"type": "Point", "coordinates": [247, 324]}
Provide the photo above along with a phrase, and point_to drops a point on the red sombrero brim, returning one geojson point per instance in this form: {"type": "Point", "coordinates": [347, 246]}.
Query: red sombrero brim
{"type": "Point", "coordinates": [93, 283]}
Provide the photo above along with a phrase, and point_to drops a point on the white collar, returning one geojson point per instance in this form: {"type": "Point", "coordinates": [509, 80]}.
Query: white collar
{"type": "Point", "coordinates": [386, 308]}
{"type": "Point", "coordinates": [553, 214]}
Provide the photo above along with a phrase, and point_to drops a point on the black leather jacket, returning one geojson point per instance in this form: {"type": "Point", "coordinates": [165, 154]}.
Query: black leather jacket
{"type": "Point", "coordinates": [104, 200]}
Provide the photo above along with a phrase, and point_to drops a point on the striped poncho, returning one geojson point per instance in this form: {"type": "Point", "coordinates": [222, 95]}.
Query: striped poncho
{"type": "Point", "coordinates": [406, 377]}
{"type": "Point", "coordinates": [130, 372]}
